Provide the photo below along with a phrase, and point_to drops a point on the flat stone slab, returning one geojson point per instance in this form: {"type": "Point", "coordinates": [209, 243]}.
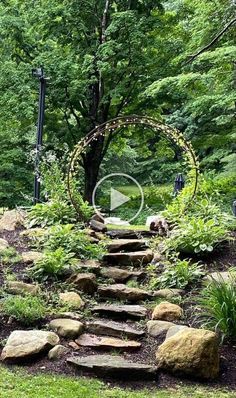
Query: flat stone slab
{"type": "Point", "coordinates": [89, 266]}
{"type": "Point", "coordinates": [123, 292]}
{"type": "Point", "coordinates": [129, 234]}
{"type": "Point", "coordinates": [112, 365]}
{"type": "Point", "coordinates": [88, 340]}
{"type": "Point", "coordinates": [121, 275]}
{"type": "Point", "coordinates": [117, 245]}
{"type": "Point", "coordinates": [168, 293]}
{"type": "Point", "coordinates": [24, 344]}
{"type": "Point", "coordinates": [133, 311]}
{"type": "Point", "coordinates": [114, 329]}
{"type": "Point", "coordinates": [129, 258]}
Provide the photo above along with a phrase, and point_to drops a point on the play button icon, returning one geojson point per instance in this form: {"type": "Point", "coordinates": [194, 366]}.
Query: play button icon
{"type": "Point", "coordinates": [117, 199]}
{"type": "Point", "coordinates": [109, 195]}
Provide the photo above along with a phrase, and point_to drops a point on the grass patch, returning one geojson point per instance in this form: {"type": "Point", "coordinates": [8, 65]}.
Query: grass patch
{"type": "Point", "coordinates": [22, 385]}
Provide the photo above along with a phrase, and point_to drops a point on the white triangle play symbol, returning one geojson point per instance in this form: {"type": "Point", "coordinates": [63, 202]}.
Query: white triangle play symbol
{"type": "Point", "coordinates": [117, 199]}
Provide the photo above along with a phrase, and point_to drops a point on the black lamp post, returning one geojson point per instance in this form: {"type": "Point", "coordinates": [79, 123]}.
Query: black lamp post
{"type": "Point", "coordinates": [179, 184]}
{"type": "Point", "coordinates": [39, 74]}
{"type": "Point", "coordinates": [234, 207]}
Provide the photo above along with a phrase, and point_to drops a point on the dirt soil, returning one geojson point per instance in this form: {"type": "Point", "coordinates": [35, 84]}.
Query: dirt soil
{"type": "Point", "coordinates": [222, 260]}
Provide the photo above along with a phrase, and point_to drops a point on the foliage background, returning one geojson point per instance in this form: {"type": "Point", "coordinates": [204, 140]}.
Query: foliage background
{"type": "Point", "coordinates": [133, 61]}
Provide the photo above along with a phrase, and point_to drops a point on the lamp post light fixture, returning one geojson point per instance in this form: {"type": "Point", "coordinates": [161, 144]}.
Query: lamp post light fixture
{"type": "Point", "coordinates": [39, 74]}
{"type": "Point", "coordinates": [234, 208]}
{"type": "Point", "coordinates": [179, 184]}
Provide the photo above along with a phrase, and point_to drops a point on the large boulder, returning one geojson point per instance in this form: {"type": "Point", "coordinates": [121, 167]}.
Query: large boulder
{"type": "Point", "coordinates": [11, 220]}
{"type": "Point", "coordinates": [68, 328]}
{"type": "Point", "coordinates": [57, 352]}
{"type": "Point", "coordinates": [18, 287]}
{"type": "Point", "coordinates": [72, 300]}
{"type": "Point", "coordinates": [158, 328]}
{"type": "Point", "coordinates": [85, 282]}
{"type": "Point", "coordinates": [175, 329]}
{"type": "Point", "coordinates": [31, 256]}
{"type": "Point", "coordinates": [3, 244]}
{"type": "Point", "coordinates": [193, 352]}
{"type": "Point", "coordinates": [219, 277]}
{"type": "Point", "coordinates": [24, 344]}
{"type": "Point", "coordinates": [167, 312]}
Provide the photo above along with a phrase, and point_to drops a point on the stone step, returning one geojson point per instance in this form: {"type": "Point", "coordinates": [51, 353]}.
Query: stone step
{"type": "Point", "coordinates": [123, 292]}
{"type": "Point", "coordinates": [118, 245]}
{"type": "Point", "coordinates": [129, 234]}
{"type": "Point", "coordinates": [111, 365]}
{"type": "Point", "coordinates": [129, 258]}
{"type": "Point", "coordinates": [114, 329]}
{"type": "Point", "coordinates": [105, 342]}
{"type": "Point", "coordinates": [118, 310]}
{"type": "Point", "coordinates": [89, 266]}
{"type": "Point", "coordinates": [121, 275]}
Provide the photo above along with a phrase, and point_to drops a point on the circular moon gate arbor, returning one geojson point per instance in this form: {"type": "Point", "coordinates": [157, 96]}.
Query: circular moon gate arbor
{"type": "Point", "coordinates": [172, 134]}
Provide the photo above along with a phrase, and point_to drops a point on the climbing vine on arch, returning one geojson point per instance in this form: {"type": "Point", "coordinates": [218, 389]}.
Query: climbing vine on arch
{"type": "Point", "coordinates": [104, 130]}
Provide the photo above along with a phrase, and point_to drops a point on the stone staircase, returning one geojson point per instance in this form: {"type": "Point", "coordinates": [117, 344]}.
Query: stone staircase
{"type": "Point", "coordinates": [116, 325]}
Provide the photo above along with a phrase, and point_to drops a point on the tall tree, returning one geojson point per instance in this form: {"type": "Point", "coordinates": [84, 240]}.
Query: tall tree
{"type": "Point", "coordinates": [100, 57]}
{"type": "Point", "coordinates": [198, 94]}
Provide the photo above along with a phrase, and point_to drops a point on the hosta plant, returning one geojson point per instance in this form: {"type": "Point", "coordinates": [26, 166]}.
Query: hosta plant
{"type": "Point", "coordinates": [54, 264]}
{"type": "Point", "coordinates": [179, 274]}
{"type": "Point", "coordinates": [196, 235]}
{"type": "Point", "coordinates": [72, 240]}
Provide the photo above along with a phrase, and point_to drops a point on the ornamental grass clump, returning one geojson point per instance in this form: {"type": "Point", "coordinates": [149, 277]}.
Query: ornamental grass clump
{"type": "Point", "coordinates": [218, 301]}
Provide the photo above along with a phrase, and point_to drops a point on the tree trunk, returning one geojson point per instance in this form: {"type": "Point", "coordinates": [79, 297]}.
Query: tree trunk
{"type": "Point", "coordinates": [92, 162]}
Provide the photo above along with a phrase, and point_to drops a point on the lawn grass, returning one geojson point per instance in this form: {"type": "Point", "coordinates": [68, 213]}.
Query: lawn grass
{"type": "Point", "coordinates": [22, 385]}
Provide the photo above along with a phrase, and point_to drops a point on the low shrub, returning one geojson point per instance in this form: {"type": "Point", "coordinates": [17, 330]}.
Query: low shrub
{"type": "Point", "coordinates": [54, 264]}
{"type": "Point", "coordinates": [72, 240]}
{"type": "Point", "coordinates": [27, 310]}
{"type": "Point", "coordinates": [9, 256]}
{"type": "Point", "coordinates": [179, 275]}
{"type": "Point", "coordinates": [50, 213]}
{"type": "Point", "coordinates": [218, 301]}
{"type": "Point", "coordinates": [196, 235]}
